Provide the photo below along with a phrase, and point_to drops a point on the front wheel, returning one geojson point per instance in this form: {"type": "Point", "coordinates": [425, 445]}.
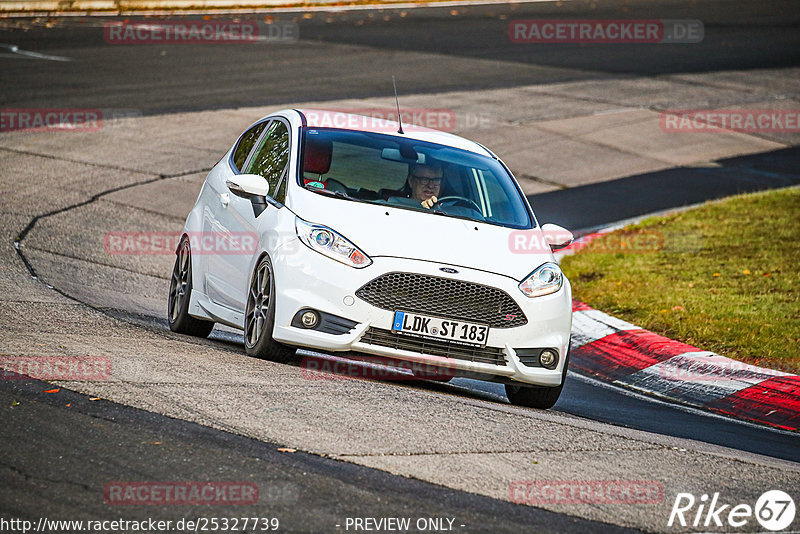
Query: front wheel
{"type": "Point", "coordinates": [533, 397]}
{"type": "Point", "coordinates": [539, 397]}
{"type": "Point", "coordinates": [180, 293]}
{"type": "Point", "coordinates": [259, 319]}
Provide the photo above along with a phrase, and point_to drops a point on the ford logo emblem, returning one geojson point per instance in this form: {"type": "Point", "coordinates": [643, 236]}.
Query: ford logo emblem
{"type": "Point", "coordinates": [448, 270]}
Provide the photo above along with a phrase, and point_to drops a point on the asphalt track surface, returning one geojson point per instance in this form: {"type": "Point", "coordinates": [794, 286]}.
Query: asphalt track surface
{"type": "Point", "coordinates": [307, 493]}
{"type": "Point", "coordinates": [354, 55]}
{"type": "Point", "coordinates": [149, 81]}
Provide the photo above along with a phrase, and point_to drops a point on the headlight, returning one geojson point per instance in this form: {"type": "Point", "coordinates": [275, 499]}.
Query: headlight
{"type": "Point", "coordinates": [330, 243]}
{"type": "Point", "coordinates": [546, 279]}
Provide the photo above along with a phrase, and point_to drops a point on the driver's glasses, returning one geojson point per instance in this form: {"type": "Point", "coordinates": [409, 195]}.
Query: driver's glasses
{"type": "Point", "coordinates": [424, 180]}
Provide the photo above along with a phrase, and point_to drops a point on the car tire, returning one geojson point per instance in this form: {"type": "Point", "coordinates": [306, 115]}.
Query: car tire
{"type": "Point", "coordinates": [259, 318]}
{"type": "Point", "coordinates": [542, 398]}
{"type": "Point", "coordinates": [180, 293]}
{"type": "Point", "coordinates": [533, 397]}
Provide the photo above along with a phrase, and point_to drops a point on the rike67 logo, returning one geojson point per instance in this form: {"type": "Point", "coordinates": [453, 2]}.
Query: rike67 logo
{"type": "Point", "coordinates": [774, 510]}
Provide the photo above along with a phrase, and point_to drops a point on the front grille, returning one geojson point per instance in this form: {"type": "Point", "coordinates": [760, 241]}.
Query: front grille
{"type": "Point", "coordinates": [443, 297]}
{"type": "Point", "coordinates": [434, 347]}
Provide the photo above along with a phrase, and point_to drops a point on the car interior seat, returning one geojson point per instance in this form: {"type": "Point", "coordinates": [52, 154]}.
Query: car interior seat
{"type": "Point", "coordinates": [317, 156]}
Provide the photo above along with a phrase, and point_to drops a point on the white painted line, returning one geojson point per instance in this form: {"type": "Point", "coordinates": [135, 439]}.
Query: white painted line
{"type": "Point", "coordinates": [14, 49]}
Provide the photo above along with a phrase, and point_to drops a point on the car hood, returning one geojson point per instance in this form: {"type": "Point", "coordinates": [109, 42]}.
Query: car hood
{"type": "Point", "coordinates": [380, 230]}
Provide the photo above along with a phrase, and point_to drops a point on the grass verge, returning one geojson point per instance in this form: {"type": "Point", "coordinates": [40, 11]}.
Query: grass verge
{"type": "Point", "coordinates": [724, 277]}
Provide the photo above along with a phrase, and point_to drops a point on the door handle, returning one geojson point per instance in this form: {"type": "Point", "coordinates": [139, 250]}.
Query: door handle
{"type": "Point", "coordinates": [225, 199]}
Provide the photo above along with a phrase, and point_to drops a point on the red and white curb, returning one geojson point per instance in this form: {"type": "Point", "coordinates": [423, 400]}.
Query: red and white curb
{"type": "Point", "coordinates": [615, 351]}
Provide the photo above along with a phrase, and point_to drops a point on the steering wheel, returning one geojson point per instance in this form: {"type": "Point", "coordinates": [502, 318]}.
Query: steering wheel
{"type": "Point", "coordinates": [456, 200]}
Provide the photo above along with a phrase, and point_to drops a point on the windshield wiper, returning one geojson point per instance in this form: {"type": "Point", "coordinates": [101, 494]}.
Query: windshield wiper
{"type": "Point", "coordinates": [328, 192]}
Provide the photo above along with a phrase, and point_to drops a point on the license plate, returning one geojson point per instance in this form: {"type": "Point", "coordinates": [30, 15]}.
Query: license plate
{"type": "Point", "coordinates": [437, 328]}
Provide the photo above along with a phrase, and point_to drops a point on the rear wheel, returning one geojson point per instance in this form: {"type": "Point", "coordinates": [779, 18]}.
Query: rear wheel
{"type": "Point", "coordinates": [260, 317]}
{"type": "Point", "coordinates": [180, 293]}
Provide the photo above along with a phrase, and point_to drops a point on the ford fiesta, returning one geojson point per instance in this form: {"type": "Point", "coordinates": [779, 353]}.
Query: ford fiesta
{"type": "Point", "coordinates": [344, 233]}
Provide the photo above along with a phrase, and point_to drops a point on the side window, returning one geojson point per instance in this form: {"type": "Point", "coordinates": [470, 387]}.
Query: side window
{"type": "Point", "coordinates": [280, 196]}
{"type": "Point", "coordinates": [271, 158]}
{"type": "Point", "coordinates": [246, 144]}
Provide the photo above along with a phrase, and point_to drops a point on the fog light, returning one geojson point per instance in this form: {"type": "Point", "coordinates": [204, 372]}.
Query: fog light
{"type": "Point", "coordinates": [548, 358]}
{"type": "Point", "coordinates": [309, 319]}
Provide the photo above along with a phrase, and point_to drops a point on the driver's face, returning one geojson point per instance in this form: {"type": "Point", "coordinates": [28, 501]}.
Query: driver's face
{"type": "Point", "coordinates": [425, 183]}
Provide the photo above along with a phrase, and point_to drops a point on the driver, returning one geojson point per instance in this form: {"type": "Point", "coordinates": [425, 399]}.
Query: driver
{"type": "Point", "coordinates": [425, 183]}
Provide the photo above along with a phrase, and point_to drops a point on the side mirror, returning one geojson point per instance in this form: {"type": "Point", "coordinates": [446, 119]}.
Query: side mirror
{"type": "Point", "coordinates": [248, 185]}
{"type": "Point", "coordinates": [556, 236]}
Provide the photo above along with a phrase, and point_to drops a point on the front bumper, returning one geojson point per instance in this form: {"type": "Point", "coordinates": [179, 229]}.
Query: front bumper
{"type": "Point", "coordinates": [307, 279]}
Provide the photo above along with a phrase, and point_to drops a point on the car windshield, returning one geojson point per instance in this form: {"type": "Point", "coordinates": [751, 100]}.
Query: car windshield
{"type": "Point", "coordinates": [385, 169]}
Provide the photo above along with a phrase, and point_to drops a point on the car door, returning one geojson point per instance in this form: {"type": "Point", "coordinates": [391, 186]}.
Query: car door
{"type": "Point", "coordinates": [269, 159]}
{"type": "Point", "coordinates": [218, 283]}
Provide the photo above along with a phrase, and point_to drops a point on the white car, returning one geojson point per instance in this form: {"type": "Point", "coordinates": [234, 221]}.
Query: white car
{"type": "Point", "coordinates": [311, 233]}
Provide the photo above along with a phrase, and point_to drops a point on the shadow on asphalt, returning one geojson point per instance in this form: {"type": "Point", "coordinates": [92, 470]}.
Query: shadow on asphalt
{"type": "Point", "coordinates": [592, 206]}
